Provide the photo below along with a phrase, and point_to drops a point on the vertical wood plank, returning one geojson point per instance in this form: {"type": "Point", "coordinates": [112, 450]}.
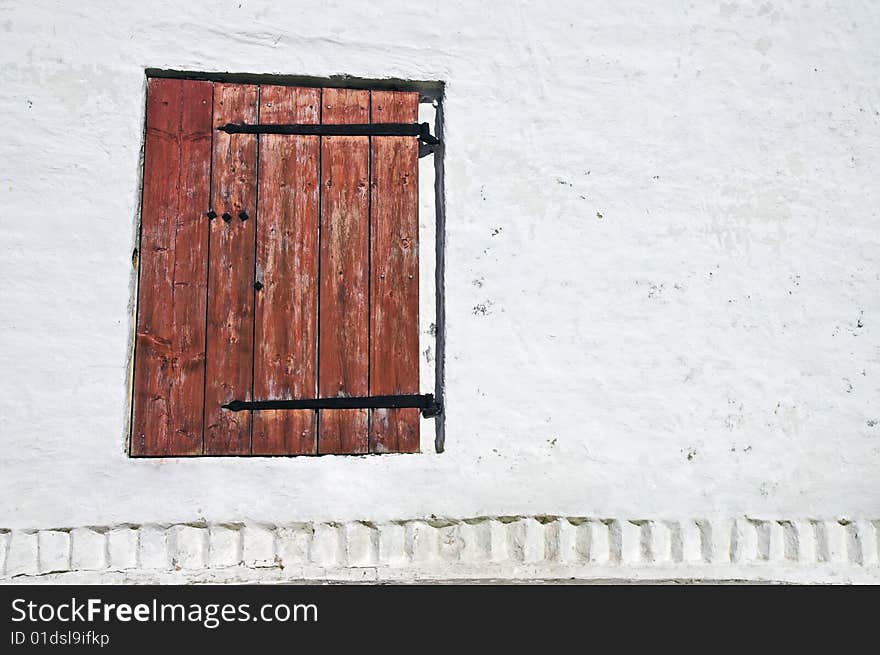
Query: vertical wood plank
{"type": "Point", "coordinates": [285, 328]}
{"type": "Point", "coordinates": [231, 273]}
{"type": "Point", "coordinates": [169, 346]}
{"type": "Point", "coordinates": [394, 273]}
{"type": "Point", "coordinates": [343, 367]}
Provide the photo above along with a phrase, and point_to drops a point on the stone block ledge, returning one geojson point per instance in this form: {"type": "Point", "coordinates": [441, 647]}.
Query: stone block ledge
{"type": "Point", "coordinates": [500, 548]}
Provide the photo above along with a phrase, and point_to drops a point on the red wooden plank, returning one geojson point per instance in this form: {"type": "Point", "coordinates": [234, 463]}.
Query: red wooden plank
{"type": "Point", "coordinates": [231, 273]}
{"type": "Point", "coordinates": [169, 349]}
{"type": "Point", "coordinates": [394, 273]}
{"type": "Point", "coordinates": [344, 270]}
{"type": "Point", "coordinates": [285, 328]}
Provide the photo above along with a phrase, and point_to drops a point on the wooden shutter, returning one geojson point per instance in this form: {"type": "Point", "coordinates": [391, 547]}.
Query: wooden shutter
{"type": "Point", "coordinates": [275, 267]}
{"type": "Point", "coordinates": [394, 273]}
{"type": "Point", "coordinates": [169, 373]}
{"type": "Point", "coordinates": [285, 365]}
{"type": "Point", "coordinates": [230, 343]}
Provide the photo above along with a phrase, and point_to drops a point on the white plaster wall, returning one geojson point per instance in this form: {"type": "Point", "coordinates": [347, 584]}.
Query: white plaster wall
{"type": "Point", "coordinates": [668, 211]}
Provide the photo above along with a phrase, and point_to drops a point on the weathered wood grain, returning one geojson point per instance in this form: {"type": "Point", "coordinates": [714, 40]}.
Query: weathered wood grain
{"type": "Point", "coordinates": [169, 368]}
{"type": "Point", "coordinates": [285, 329]}
{"type": "Point", "coordinates": [394, 273]}
{"type": "Point", "coordinates": [343, 348]}
{"type": "Point", "coordinates": [231, 272]}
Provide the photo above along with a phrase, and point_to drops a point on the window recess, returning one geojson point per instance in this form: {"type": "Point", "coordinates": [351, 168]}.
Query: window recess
{"type": "Point", "coordinates": [278, 292]}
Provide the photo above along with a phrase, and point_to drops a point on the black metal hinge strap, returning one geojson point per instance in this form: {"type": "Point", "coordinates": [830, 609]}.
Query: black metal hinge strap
{"type": "Point", "coordinates": [420, 130]}
{"type": "Point", "coordinates": [428, 405]}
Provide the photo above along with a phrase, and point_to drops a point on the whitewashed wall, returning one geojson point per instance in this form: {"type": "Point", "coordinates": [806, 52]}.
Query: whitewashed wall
{"type": "Point", "coordinates": [662, 270]}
